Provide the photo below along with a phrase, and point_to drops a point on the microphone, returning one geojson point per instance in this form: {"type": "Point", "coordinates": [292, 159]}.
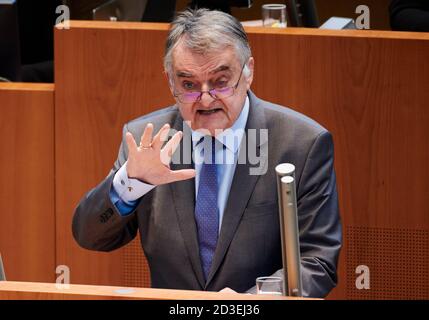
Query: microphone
{"type": "Point", "coordinates": [289, 231]}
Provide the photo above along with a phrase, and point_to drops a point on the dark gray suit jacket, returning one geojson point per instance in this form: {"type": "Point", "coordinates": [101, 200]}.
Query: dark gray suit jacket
{"type": "Point", "coordinates": [249, 240]}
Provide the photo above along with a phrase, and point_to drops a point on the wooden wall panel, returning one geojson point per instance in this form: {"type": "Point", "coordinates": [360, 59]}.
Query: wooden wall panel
{"type": "Point", "coordinates": [379, 12]}
{"type": "Point", "coordinates": [371, 93]}
{"type": "Point", "coordinates": [105, 76]}
{"type": "Point", "coordinates": [368, 88]}
{"type": "Point", "coordinates": [27, 220]}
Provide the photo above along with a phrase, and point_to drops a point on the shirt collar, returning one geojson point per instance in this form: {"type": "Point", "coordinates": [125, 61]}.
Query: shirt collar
{"type": "Point", "coordinates": [231, 137]}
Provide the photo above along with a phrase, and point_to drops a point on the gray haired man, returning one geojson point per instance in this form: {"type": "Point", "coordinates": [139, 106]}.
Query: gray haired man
{"type": "Point", "coordinates": [208, 224]}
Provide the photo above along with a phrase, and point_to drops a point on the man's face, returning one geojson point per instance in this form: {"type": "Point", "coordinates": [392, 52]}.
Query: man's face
{"type": "Point", "coordinates": [195, 72]}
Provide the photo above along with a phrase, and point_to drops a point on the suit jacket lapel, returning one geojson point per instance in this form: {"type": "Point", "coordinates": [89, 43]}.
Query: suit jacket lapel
{"type": "Point", "coordinates": [242, 186]}
{"type": "Point", "coordinates": [184, 200]}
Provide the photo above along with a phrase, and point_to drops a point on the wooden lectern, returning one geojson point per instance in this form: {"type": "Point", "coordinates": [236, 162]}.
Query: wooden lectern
{"type": "Point", "coordinates": [10, 290]}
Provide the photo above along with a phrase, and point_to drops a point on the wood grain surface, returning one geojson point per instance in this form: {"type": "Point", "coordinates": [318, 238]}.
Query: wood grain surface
{"type": "Point", "coordinates": [27, 218]}
{"type": "Point", "coordinates": [46, 291]}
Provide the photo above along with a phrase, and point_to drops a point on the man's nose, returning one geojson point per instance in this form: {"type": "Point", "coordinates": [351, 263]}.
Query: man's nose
{"type": "Point", "coordinates": [206, 98]}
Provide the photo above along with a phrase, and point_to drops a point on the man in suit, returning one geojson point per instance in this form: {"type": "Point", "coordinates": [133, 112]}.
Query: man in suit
{"type": "Point", "coordinates": [205, 202]}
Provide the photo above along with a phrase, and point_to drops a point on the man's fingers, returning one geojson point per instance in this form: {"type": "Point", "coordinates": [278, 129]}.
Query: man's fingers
{"type": "Point", "coordinates": [161, 136]}
{"type": "Point", "coordinates": [170, 147]}
{"type": "Point", "coordinates": [146, 138]}
{"type": "Point", "coordinates": [131, 143]}
{"type": "Point", "coordinates": [184, 174]}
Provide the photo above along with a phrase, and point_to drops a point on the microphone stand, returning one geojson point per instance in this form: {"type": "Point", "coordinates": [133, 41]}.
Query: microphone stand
{"type": "Point", "coordinates": [289, 231]}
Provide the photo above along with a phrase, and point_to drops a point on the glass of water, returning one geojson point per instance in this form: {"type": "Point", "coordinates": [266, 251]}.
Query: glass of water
{"type": "Point", "coordinates": [274, 15]}
{"type": "Point", "coordinates": [269, 285]}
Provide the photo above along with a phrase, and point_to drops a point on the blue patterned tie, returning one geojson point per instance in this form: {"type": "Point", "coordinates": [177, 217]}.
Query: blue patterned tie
{"type": "Point", "coordinates": [206, 209]}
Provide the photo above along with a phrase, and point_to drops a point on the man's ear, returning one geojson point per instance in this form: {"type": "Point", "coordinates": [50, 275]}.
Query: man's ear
{"type": "Point", "coordinates": [250, 66]}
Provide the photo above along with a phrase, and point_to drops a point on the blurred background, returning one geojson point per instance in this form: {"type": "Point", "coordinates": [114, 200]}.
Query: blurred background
{"type": "Point", "coordinates": [26, 49]}
{"type": "Point", "coordinates": [81, 9]}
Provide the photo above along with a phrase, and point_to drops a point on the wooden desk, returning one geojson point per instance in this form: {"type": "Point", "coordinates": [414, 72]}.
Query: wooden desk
{"type": "Point", "coordinates": [48, 291]}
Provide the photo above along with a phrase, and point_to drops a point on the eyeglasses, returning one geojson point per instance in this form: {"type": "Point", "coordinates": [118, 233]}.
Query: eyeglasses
{"type": "Point", "coordinates": [215, 93]}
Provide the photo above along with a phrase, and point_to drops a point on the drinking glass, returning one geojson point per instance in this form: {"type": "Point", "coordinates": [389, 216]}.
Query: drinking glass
{"type": "Point", "coordinates": [269, 285]}
{"type": "Point", "coordinates": [274, 15]}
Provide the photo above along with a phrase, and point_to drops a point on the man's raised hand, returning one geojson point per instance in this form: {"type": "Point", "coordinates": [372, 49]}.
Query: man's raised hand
{"type": "Point", "coordinates": [149, 162]}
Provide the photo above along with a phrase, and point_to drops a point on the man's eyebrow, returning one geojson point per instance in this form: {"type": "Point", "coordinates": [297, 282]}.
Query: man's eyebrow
{"type": "Point", "coordinates": [184, 74]}
{"type": "Point", "coordinates": [221, 68]}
